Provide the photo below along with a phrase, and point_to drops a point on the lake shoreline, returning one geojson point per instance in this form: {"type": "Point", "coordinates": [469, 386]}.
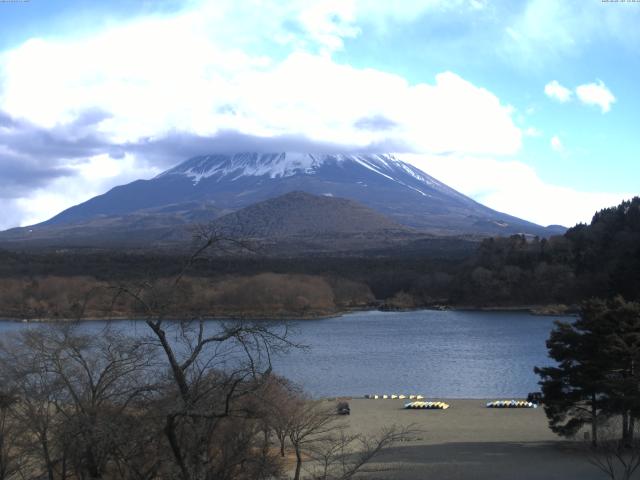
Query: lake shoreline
{"type": "Point", "coordinates": [537, 310]}
{"type": "Point", "coordinates": [470, 441]}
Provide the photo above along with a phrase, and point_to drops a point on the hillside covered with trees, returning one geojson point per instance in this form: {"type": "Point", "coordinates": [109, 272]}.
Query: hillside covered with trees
{"type": "Point", "coordinates": [601, 259]}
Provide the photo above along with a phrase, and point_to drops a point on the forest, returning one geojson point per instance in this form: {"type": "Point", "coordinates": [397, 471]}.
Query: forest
{"type": "Point", "coordinates": [601, 259]}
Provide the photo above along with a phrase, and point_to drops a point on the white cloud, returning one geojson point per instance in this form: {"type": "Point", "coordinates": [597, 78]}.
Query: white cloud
{"type": "Point", "coordinates": [556, 144]}
{"type": "Point", "coordinates": [545, 31]}
{"type": "Point", "coordinates": [558, 92]}
{"type": "Point", "coordinates": [596, 93]}
{"type": "Point", "coordinates": [532, 132]}
{"type": "Point", "coordinates": [515, 188]}
{"type": "Point", "coordinates": [187, 82]}
{"type": "Point", "coordinates": [93, 177]}
{"type": "Point", "coordinates": [380, 14]}
{"type": "Point", "coordinates": [197, 72]}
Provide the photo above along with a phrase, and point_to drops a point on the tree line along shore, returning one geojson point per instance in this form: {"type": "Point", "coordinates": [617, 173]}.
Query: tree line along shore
{"type": "Point", "coordinates": [597, 260]}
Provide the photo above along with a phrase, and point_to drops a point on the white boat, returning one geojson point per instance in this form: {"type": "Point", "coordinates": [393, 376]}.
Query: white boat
{"type": "Point", "coordinates": [511, 404]}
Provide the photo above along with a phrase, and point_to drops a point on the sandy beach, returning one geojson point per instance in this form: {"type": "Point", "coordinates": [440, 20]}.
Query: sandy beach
{"type": "Point", "coordinates": [470, 441]}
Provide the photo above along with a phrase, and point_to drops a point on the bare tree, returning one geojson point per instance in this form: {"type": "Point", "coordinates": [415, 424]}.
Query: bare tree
{"type": "Point", "coordinates": [311, 423]}
{"type": "Point", "coordinates": [75, 389]}
{"type": "Point", "coordinates": [279, 399]}
{"type": "Point", "coordinates": [318, 435]}
{"type": "Point", "coordinates": [615, 457]}
{"type": "Point", "coordinates": [342, 455]}
{"type": "Point", "coordinates": [212, 368]}
{"type": "Point", "coordinates": [11, 458]}
{"type": "Point", "coordinates": [35, 413]}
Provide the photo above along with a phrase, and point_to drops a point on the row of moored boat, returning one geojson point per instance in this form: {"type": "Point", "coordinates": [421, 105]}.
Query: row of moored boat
{"type": "Point", "coordinates": [394, 397]}
{"type": "Point", "coordinates": [419, 403]}
{"type": "Point", "coordinates": [427, 405]}
{"type": "Point", "coordinates": [511, 404]}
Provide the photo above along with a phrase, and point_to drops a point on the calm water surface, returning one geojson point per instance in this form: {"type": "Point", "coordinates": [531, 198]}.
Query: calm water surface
{"type": "Point", "coordinates": [450, 354]}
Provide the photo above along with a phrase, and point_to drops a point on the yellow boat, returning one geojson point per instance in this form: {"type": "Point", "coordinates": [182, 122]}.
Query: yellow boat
{"type": "Point", "coordinates": [426, 405]}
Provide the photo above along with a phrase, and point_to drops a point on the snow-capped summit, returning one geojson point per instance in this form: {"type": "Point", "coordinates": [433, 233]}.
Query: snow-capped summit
{"type": "Point", "coordinates": [287, 164]}
{"type": "Point", "coordinates": [273, 165]}
{"type": "Point", "coordinates": [224, 183]}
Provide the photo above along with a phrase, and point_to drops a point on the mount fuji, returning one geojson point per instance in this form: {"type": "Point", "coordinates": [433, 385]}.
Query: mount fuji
{"type": "Point", "coordinates": [208, 187]}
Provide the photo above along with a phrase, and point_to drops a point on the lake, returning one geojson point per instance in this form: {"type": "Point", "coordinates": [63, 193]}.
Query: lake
{"type": "Point", "coordinates": [445, 354]}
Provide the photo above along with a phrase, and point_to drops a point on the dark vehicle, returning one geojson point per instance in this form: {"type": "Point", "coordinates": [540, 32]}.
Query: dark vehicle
{"type": "Point", "coordinates": [535, 397]}
{"type": "Point", "coordinates": [343, 408]}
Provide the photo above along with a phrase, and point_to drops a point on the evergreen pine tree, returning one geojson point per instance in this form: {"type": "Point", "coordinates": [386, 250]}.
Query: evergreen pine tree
{"type": "Point", "coordinates": [597, 373]}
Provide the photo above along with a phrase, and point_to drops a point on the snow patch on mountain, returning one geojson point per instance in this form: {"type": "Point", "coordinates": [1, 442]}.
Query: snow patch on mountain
{"type": "Point", "coordinates": [280, 165]}
{"type": "Point", "coordinates": [232, 167]}
{"type": "Point", "coordinates": [273, 165]}
{"type": "Point", "coordinates": [371, 165]}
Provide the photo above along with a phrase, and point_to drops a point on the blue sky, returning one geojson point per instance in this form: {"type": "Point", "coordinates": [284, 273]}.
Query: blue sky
{"type": "Point", "coordinates": [530, 107]}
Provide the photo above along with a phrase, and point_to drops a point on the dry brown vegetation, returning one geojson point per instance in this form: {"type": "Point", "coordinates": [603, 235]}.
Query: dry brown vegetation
{"type": "Point", "coordinates": [261, 295]}
{"type": "Point", "coordinates": [51, 297]}
{"type": "Point", "coordinates": [77, 406]}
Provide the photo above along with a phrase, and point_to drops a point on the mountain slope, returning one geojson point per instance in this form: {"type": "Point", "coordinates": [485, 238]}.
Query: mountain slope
{"type": "Point", "coordinates": [381, 182]}
{"type": "Point", "coordinates": [294, 223]}
{"type": "Point", "coordinates": [301, 223]}
{"type": "Point", "coordinates": [303, 214]}
{"type": "Point", "coordinates": [140, 228]}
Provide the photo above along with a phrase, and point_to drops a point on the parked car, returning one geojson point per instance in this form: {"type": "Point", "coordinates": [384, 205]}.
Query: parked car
{"type": "Point", "coordinates": [343, 408]}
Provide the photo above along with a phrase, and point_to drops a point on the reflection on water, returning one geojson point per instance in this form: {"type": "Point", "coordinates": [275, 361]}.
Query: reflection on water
{"type": "Point", "coordinates": [439, 354]}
